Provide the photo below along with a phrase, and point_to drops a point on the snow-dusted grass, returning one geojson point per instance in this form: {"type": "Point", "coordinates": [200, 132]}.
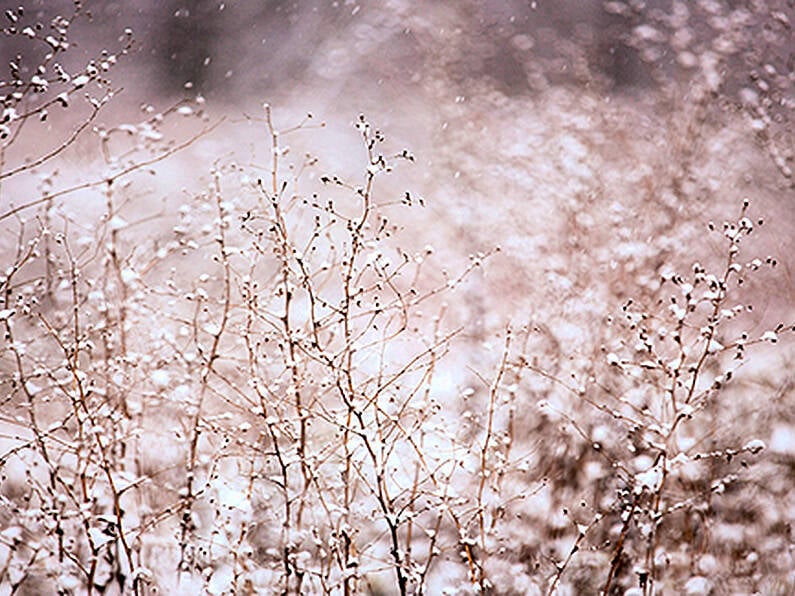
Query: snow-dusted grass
{"type": "Point", "coordinates": [280, 371]}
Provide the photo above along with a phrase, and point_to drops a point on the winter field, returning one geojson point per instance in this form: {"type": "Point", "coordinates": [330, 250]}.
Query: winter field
{"type": "Point", "coordinates": [402, 297]}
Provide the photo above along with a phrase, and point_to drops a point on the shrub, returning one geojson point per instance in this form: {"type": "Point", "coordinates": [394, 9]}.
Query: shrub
{"type": "Point", "coordinates": [265, 384]}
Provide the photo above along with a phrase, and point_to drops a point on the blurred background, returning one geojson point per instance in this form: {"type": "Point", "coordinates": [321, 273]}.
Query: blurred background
{"type": "Point", "coordinates": [591, 140]}
{"type": "Point", "coordinates": [537, 124]}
